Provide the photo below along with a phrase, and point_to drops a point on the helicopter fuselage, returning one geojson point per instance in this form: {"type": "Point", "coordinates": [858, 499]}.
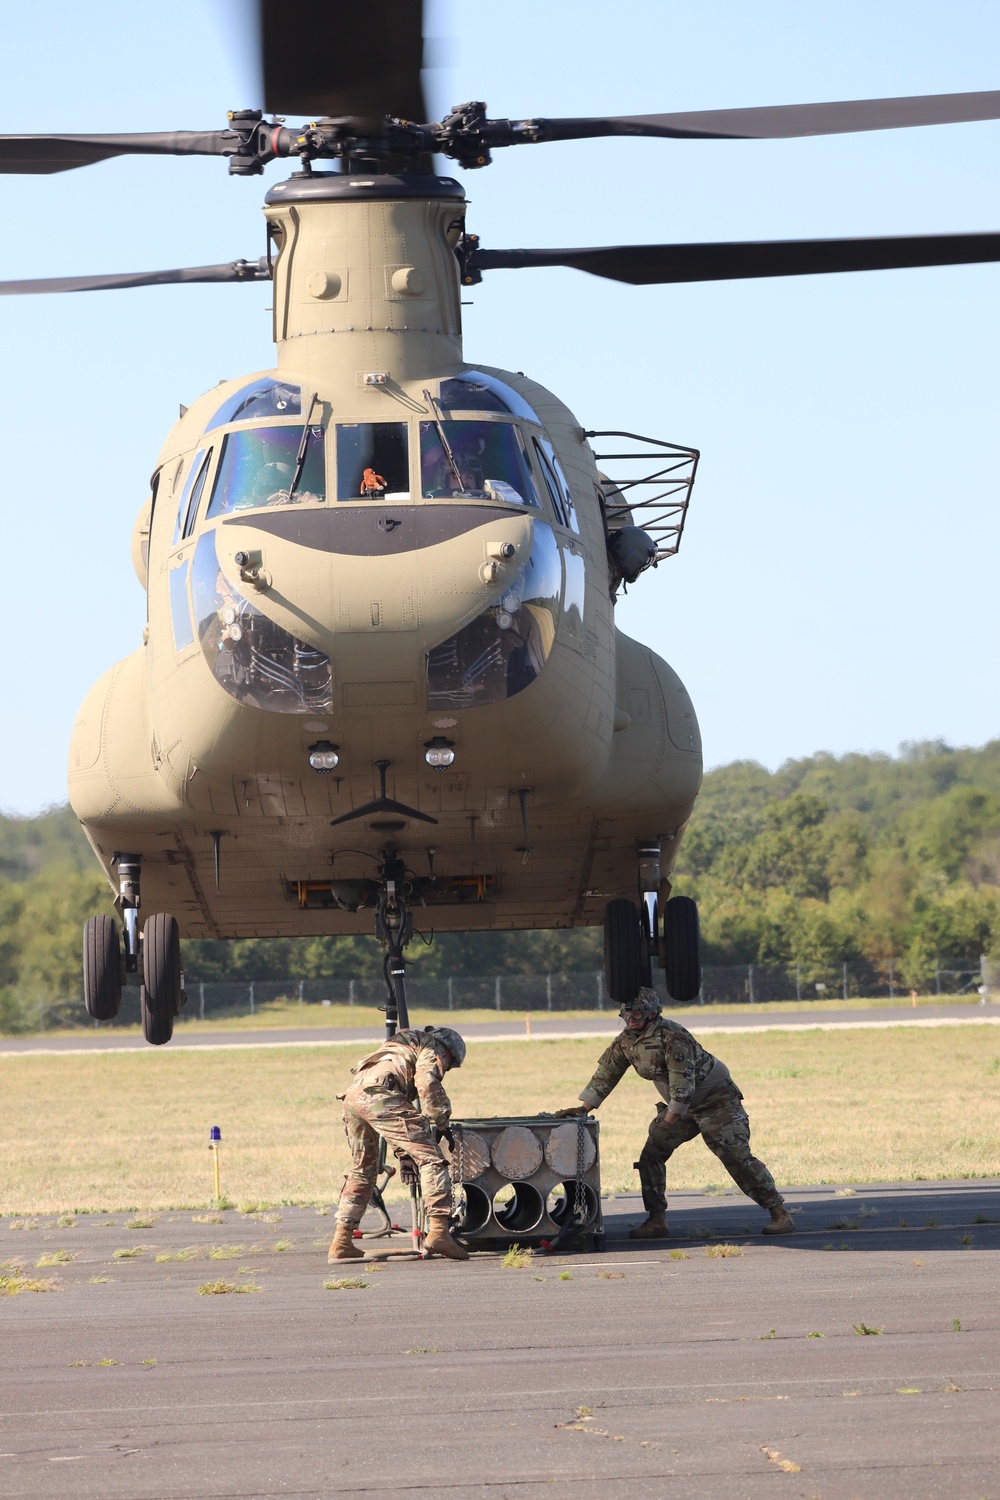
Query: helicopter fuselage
{"type": "Point", "coordinates": [376, 574]}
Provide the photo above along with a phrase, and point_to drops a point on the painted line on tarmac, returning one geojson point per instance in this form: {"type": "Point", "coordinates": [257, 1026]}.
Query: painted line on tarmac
{"type": "Point", "coordinates": [512, 1036]}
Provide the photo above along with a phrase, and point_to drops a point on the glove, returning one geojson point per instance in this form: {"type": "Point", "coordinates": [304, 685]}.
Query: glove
{"type": "Point", "coordinates": [447, 1134]}
{"type": "Point", "coordinates": [574, 1111]}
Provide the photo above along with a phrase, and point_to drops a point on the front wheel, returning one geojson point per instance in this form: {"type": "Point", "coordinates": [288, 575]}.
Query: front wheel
{"type": "Point", "coordinates": [102, 976]}
{"type": "Point", "coordinates": [161, 967]}
{"type": "Point", "coordinates": [624, 959]}
{"type": "Point", "coordinates": [681, 948]}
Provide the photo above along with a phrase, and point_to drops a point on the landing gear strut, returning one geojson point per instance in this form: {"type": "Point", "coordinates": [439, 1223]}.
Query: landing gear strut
{"type": "Point", "coordinates": [393, 928]}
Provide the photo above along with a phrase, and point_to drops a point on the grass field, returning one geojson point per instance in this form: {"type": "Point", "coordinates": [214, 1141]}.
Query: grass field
{"type": "Point", "coordinates": [290, 1013]}
{"type": "Point", "coordinates": [129, 1130]}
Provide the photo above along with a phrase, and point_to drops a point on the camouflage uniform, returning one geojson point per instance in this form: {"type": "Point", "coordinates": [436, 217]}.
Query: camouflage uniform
{"type": "Point", "coordinates": [397, 1094]}
{"type": "Point", "coordinates": [694, 1085]}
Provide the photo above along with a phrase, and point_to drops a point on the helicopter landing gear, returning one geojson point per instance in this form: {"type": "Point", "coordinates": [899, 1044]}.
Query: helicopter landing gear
{"type": "Point", "coordinates": [129, 869]}
{"type": "Point", "coordinates": [393, 928]}
{"type": "Point", "coordinates": [162, 993]}
{"type": "Point", "coordinates": [102, 968]}
{"type": "Point", "coordinates": [680, 948]}
{"type": "Point", "coordinates": [626, 961]}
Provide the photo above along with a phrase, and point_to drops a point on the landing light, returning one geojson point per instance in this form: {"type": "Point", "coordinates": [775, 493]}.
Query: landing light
{"type": "Point", "coordinates": [323, 756]}
{"type": "Point", "coordinates": [439, 752]}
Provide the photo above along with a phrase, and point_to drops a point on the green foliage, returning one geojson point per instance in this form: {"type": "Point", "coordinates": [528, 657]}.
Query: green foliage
{"type": "Point", "coordinates": [865, 857]}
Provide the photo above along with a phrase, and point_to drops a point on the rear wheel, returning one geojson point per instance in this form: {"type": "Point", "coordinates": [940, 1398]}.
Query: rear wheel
{"type": "Point", "coordinates": [681, 948]}
{"type": "Point", "coordinates": [623, 951]}
{"type": "Point", "coordinates": [161, 968]}
{"type": "Point", "coordinates": [102, 977]}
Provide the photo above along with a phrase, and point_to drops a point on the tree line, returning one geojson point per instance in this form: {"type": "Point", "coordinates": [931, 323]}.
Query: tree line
{"type": "Point", "coordinates": [861, 857]}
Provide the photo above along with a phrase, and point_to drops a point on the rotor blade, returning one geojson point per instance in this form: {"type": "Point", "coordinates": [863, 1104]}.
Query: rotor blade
{"type": "Point", "coordinates": [778, 122]}
{"type": "Point", "coordinates": [234, 270]}
{"type": "Point", "coordinates": [647, 265]}
{"type": "Point", "coordinates": [60, 153]}
{"type": "Point", "coordinates": [360, 58]}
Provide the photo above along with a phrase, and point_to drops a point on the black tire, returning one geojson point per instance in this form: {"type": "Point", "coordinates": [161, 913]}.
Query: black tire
{"type": "Point", "coordinates": [102, 974]}
{"type": "Point", "coordinates": [682, 948]}
{"type": "Point", "coordinates": [161, 972]}
{"type": "Point", "coordinates": [623, 951]}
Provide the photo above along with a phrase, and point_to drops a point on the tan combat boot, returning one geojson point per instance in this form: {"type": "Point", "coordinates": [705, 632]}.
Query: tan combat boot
{"type": "Point", "coordinates": [343, 1246]}
{"type": "Point", "coordinates": [781, 1221]}
{"type": "Point", "coordinates": [441, 1241]}
{"type": "Point", "coordinates": [654, 1228]}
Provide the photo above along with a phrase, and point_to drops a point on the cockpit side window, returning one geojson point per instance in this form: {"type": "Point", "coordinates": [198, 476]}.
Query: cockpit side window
{"type": "Point", "coordinates": [373, 461]}
{"type": "Point", "coordinates": [258, 468]}
{"type": "Point", "coordinates": [552, 470]}
{"type": "Point", "coordinates": [191, 494]}
{"type": "Point", "coordinates": [550, 484]}
{"type": "Point", "coordinates": [475, 460]}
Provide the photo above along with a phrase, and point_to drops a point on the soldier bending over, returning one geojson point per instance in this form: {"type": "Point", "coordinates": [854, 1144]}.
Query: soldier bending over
{"type": "Point", "coordinates": [398, 1094]}
{"type": "Point", "coordinates": [700, 1098]}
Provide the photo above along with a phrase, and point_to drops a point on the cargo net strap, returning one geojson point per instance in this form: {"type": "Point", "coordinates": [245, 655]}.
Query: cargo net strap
{"type": "Point", "coordinates": [652, 489]}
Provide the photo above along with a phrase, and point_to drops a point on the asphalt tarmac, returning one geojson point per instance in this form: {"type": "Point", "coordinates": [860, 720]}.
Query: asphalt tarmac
{"type": "Point", "coordinates": [857, 1359]}
{"type": "Point", "coordinates": [509, 1027]}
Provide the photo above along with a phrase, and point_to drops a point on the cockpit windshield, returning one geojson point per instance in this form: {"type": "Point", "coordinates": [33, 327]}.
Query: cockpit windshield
{"type": "Point", "coordinates": [475, 460]}
{"type": "Point", "coordinates": [373, 460]}
{"type": "Point", "coordinates": [258, 468]}
{"type": "Point", "coordinates": [474, 390]}
{"type": "Point", "coordinates": [261, 398]}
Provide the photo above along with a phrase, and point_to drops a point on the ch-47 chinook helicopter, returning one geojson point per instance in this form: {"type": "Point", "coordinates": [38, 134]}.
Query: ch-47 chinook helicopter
{"type": "Point", "coordinates": [381, 670]}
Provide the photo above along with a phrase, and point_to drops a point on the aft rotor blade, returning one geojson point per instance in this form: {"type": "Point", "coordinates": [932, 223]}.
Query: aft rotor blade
{"type": "Point", "coordinates": [777, 122]}
{"type": "Point", "coordinates": [234, 270]}
{"type": "Point", "coordinates": [648, 265]}
{"type": "Point", "coordinates": [60, 153]}
{"type": "Point", "coordinates": [359, 58]}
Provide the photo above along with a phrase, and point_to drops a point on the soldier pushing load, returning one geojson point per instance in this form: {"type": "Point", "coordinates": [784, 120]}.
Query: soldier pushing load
{"type": "Point", "coordinates": [398, 1094]}
{"type": "Point", "coordinates": [700, 1098]}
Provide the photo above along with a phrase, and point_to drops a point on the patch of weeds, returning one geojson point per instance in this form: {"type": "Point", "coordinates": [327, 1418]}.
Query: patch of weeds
{"type": "Point", "coordinates": [226, 1252]}
{"type": "Point", "coordinates": [351, 1284]}
{"type": "Point", "coordinates": [844, 1246]}
{"type": "Point", "coordinates": [98, 1280]}
{"type": "Point", "coordinates": [421, 1351]}
{"type": "Point", "coordinates": [23, 1224]}
{"type": "Point", "coordinates": [13, 1280]}
{"type": "Point", "coordinates": [909, 1390]}
{"type": "Point", "coordinates": [722, 1251]}
{"type": "Point", "coordinates": [139, 1223]}
{"type": "Point", "coordinates": [206, 1218]}
{"type": "Point", "coordinates": [565, 1276]}
{"type": "Point", "coordinates": [784, 1464]}
{"type": "Point", "coordinates": [713, 1190]}
{"type": "Point", "coordinates": [538, 1278]}
{"type": "Point", "coordinates": [516, 1258]}
{"type": "Point", "coordinates": [270, 1218]}
{"type": "Point", "coordinates": [128, 1254]}
{"type": "Point", "coordinates": [769, 1335]}
{"type": "Point", "coordinates": [148, 1361]}
{"type": "Point", "coordinates": [903, 1223]}
{"type": "Point", "coordinates": [679, 1255]}
{"type": "Point", "coordinates": [918, 1262]}
{"type": "Point", "coordinates": [56, 1258]}
{"type": "Point", "coordinates": [170, 1255]}
{"type": "Point", "coordinates": [106, 1362]}
{"type": "Point", "coordinates": [323, 1213]}
{"type": "Point", "coordinates": [850, 1393]}
{"type": "Point", "coordinates": [77, 1364]}
{"type": "Point", "coordinates": [979, 1219]}
{"type": "Point", "coordinates": [932, 1223]}
{"type": "Point", "coordinates": [222, 1203]}
{"type": "Point", "coordinates": [66, 1221]}
{"type": "Point", "coordinates": [216, 1288]}
{"type": "Point", "coordinates": [956, 1325]}
{"type": "Point", "coordinates": [844, 1224]}
{"type": "Point", "coordinates": [815, 1335]}
{"type": "Point", "coordinates": [865, 1330]}
{"type": "Point", "coordinates": [864, 1212]}
{"type": "Point", "coordinates": [611, 1275]}
{"type": "Point", "coordinates": [966, 1239]}
{"type": "Point", "coordinates": [845, 1193]}
{"type": "Point", "coordinates": [702, 1232]}
{"type": "Point", "coordinates": [283, 1245]}
{"type": "Point", "coordinates": [950, 1388]}
{"type": "Point", "coordinates": [253, 1207]}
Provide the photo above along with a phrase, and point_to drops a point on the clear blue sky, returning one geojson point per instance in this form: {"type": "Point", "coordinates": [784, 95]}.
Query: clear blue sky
{"type": "Point", "coordinates": [837, 585]}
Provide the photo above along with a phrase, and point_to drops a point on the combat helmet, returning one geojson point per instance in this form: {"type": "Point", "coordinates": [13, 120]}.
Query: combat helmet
{"type": "Point", "coordinates": [451, 1040]}
{"type": "Point", "coordinates": [647, 1001]}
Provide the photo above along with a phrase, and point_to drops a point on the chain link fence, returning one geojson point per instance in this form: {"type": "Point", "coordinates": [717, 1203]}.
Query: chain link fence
{"type": "Point", "coordinates": [737, 984]}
